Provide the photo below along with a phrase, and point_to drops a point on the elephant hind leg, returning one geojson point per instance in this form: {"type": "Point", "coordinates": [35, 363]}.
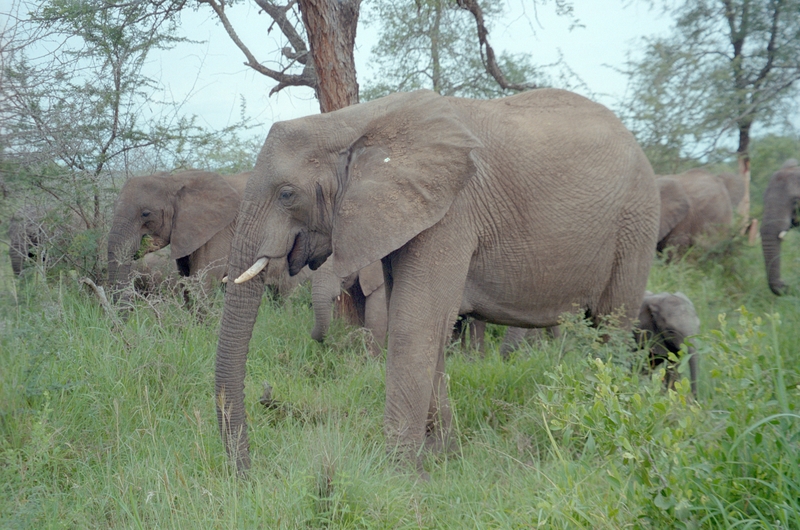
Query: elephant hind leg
{"type": "Point", "coordinates": [628, 280]}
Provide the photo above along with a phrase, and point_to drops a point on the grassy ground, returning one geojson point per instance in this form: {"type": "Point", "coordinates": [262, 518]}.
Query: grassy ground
{"type": "Point", "coordinates": [112, 425]}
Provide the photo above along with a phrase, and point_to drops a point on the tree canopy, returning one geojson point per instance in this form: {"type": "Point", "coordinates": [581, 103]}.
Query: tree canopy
{"type": "Point", "coordinates": [727, 65]}
{"type": "Point", "coordinates": [434, 44]}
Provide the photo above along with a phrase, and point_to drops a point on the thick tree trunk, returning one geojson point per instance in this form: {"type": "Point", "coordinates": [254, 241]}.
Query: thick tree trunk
{"type": "Point", "coordinates": [331, 29]}
{"type": "Point", "coordinates": [743, 209]}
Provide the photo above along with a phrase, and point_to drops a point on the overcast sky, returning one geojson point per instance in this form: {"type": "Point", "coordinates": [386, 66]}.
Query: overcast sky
{"type": "Point", "coordinates": [212, 79]}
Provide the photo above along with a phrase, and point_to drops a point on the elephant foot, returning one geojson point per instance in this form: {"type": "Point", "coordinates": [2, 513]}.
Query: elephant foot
{"type": "Point", "coordinates": [778, 288]}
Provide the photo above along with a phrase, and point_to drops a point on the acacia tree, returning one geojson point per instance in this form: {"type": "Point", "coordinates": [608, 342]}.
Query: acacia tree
{"type": "Point", "coordinates": [78, 112]}
{"type": "Point", "coordinates": [442, 45]}
{"type": "Point", "coordinates": [727, 66]}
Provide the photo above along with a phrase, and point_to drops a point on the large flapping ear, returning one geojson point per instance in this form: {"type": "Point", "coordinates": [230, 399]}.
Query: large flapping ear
{"type": "Point", "coordinates": [399, 178]}
{"type": "Point", "coordinates": [204, 205]}
{"type": "Point", "coordinates": [674, 205]}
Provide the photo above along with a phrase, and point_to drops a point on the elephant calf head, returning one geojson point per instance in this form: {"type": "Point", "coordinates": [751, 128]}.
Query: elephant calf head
{"type": "Point", "coordinates": [666, 320]}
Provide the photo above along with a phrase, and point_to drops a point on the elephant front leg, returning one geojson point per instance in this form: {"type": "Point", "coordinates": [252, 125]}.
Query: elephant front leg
{"type": "Point", "coordinates": [375, 320]}
{"type": "Point", "coordinates": [418, 414]}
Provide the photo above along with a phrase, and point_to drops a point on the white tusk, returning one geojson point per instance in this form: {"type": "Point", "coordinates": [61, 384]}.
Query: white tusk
{"type": "Point", "coordinates": [782, 235]}
{"type": "Point", "coordinates": [225, 279]}
{"type": "Point", "coordinates": [250, 273]}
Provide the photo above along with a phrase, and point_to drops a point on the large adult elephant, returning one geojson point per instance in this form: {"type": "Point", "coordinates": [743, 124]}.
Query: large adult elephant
{"type": "Point", "coordinates": [193, 212]}
{"type": "Point", "coordinates": [696, 207]}
{"type": "Point", "coordinates": [326, 286]}
{"type": "Point", "coordinates": [781, 212]}
{"type": "Point", "coordinates": [509, 210]}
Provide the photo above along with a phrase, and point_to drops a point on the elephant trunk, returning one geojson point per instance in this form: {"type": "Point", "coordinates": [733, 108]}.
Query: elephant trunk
{"type": "Point", "coordinates": [18, 249]}
{"type": "Point", "coordinates": [771, 246]}
{"type": "Point", "coordinates": [238, 319]}
{"type": "Point", "coordinates": [123, 242]}
{"type": "Point", "coordinates": [694, 369]}
{"type": "Point", "coordinates": [325, 286]}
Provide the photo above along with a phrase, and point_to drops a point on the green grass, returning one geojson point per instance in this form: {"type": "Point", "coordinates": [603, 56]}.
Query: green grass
{"type": "Point", "coordinates": [106, 425]}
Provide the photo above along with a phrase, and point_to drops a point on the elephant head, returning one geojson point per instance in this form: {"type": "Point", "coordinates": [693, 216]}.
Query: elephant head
{"type": "Point", "coordinates": [666, 320]}
{"type": "Point", "coordinates": [781, 212]}
{"type": "Point", "coordinates": [184, 211]}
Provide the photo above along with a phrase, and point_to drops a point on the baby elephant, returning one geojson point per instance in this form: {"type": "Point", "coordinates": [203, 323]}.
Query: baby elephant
{"type": "Point", "coordinates": [666, 320]}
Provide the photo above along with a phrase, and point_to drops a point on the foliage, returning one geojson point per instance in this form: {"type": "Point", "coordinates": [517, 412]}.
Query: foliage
{"type": "Point", "coordinates": [110, 423]}
{"type": "Point", "coordinates": [769, 152]}
{"type": "Point", "coordinates": [433, 44]}
{"type": "Point", "coordinates": [79, 116]}
{"type": "Point", "coordinates": [727, 66]}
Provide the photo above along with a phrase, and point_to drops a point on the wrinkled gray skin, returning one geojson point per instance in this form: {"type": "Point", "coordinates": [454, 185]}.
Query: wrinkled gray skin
{"type": "Point", "coordinates": [781, 213]}
{"type": "Point", "coordinates": [193, 212]}
{"type": "Point", "coordinates": [666, 320]}
{"type": "Point", "coordinates": [326, 286]}
{"type": "Point", "coordinates": [508, 210]}
{"type": "Point", "coordinates": [696, 207]}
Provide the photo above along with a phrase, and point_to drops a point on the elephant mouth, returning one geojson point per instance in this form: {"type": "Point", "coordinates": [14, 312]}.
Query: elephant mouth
{"type": "Point", "coordinates": [148, 244]}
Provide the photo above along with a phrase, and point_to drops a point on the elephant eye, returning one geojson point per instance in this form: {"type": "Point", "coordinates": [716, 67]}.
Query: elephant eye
{"type": "Point", "coordinates": [286, 197]}
{"type": "Point", "coordinates": [145, 213]}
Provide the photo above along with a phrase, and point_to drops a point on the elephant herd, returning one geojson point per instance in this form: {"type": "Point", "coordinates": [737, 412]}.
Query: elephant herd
{"type": "Point", "coordinates": [511, 211]}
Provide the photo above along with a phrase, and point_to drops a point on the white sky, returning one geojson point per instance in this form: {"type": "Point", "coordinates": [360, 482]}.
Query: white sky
{"type": "Point", "coordinates": [212, 79]}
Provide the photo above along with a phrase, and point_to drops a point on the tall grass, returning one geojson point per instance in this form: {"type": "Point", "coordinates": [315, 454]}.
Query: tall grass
{"type": "Point", "coordinates": [108, 423]}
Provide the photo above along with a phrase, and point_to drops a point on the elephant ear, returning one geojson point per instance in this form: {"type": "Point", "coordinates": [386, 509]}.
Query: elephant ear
{"type": "Point", "coordinates": [399, 177]}
{"type": "Point", "coordinates": [370, 278]}
{"type": "Point", "coordinates": [674, 205]}
{"type": "Point", "coordinates": [205, 204]}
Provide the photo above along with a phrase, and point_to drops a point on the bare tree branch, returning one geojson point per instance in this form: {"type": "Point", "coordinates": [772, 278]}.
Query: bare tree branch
{"type": "Point", "coordinates": [278, 14]}
{"type": "Point", "coordinates": [487, 53]}
{"type": "Point", "coordinates": [300, 53]}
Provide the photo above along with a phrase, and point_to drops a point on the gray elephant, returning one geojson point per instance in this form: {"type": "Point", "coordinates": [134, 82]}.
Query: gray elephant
{"type": "Point", "coordinates": [666, 320]}
{"type": "Point", "coordinates": [326, 286]}
{"type": "Point", "coordinates": [696, 207]}
{"type": "Point", "coordinates": [508, 210]}
{"type": "Point", "coordinates": [193, 212]}
{"type": "Point", "coordinates": [781, 213]}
